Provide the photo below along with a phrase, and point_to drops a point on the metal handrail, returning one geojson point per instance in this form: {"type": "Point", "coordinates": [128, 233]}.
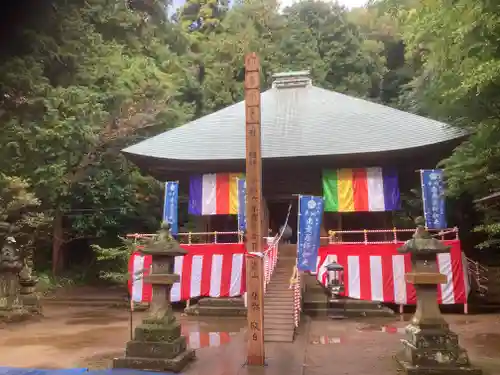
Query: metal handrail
{"type": "Point", "coordinates": [333, 239]}
{"type": "Point", "coordinates": [476, 272]}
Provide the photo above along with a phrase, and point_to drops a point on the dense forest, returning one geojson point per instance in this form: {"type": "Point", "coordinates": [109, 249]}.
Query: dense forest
{"type": "Point", "coordinates": [79, 80]}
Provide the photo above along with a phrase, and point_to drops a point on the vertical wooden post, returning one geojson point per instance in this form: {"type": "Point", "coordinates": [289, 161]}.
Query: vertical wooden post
{"type": "Point", "coordinates": [254, 264]}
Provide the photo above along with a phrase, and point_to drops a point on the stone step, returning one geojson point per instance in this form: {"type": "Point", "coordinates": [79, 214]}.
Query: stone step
{"type": "Point", "coordinates": [278, 302]}
{"type": "Point", "coordinates": [273, 285]}
{"type": "Point", "coordinates": [275, 322]}
{"type": "Point", "coordinates": [223, 302]}
{"type": "Point", "coordinates": [279, 289]}
{"type": "Point", "coordinates": [277, 311]}
{"type": "Point", "coordinates": [282, 320]}
{"type": "Point", "coordinates": [278, 298]}
{"type": "Point", "coordinates": [279, 336]}
{"type": "Point", "coordinates": [274, 302]}
{"type": "Point", "coordinates": [278, 325]}
{"type": "Point", "coordinates": [279, 284]}
{"type": "Point", "coordinates": [279, 294]}
{"type": "Point", "coordinates": [216, 310]}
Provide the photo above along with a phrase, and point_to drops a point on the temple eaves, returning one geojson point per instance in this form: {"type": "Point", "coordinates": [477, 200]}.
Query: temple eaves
{"type": "Point", "coordinates": [298, 120]}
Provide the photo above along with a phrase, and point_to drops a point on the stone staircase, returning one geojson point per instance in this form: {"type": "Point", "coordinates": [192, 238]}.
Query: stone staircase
{"type": "Point", "coordinates": [279, 325]}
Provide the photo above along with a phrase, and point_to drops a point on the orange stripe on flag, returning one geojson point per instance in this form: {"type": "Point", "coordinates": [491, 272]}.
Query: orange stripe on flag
{"type": "Point", "coordinates": [345, 192]}
{"type": "Point", "coordinates": [360, 189]}
{"type": "Point", "coordinates": [222, 194]}
{"type": "Point", "coordinates": [224, 337]}
{"type": "Point", "coordinates": [204, 340]}
{"type": "Point", "coordinates": [233, 192]}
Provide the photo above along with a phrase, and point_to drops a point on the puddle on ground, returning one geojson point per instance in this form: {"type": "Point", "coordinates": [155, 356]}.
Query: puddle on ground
{"type": "Point", "coordinates": [102, 320]}
{"type": "Point", "coordinates": [214, 332]}
{"type": "Point", "coordinates": [213, 324]}
{"type": "Point", "coordinates": [326, 340]}
{"type": "Point", "coordinates": [66, 342]}
{"type": "Point", "coordinates": [380, 328]}
{"type": "Point", "coordinates": [94, 317]}
{"type": "Point", "coordinates": [463, 322]}
{"type": "Point", "coordinates": [200, 340]}
{"type": "Point", "coordinates": [488, 344]}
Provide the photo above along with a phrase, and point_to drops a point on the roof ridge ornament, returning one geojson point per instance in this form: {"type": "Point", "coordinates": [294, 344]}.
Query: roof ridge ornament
{"type": "Point", "coordinates": [292, 79]}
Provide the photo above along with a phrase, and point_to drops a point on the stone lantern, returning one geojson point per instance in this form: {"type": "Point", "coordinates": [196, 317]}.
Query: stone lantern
{"type": "Point", "coordinates": [431, 347]}
{"type": "Point", "coordinates": [158, 344]}
{"type": "Point", "coordinates": [28, 282]}
{"type": "Point", "coordinates": [10, 264]}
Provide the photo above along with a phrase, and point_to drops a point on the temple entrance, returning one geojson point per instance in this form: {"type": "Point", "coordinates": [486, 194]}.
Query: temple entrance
{"type": "Point", "coordinates": [278, 209]}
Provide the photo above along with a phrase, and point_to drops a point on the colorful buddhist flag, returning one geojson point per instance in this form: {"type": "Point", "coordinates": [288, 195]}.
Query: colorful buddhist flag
{"type": "Point", "coordinates": [214, 194]}
{"type": "Point", "coordinates": [361, 189]}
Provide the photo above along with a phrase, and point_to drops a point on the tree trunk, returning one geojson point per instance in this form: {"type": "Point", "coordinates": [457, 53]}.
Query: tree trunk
{"type": "Point", "coordinates": [57, 243]}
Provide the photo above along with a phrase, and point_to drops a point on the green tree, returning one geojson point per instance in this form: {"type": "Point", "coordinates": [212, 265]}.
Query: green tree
{"type": "Point", "coordinates": [457, 43]}
{"type": "Point", "coordinates": [18, 212]}
{"type": "Point", "coordinates": [347, 63]}
{"type": "Point", "coordinates": [97, 76]}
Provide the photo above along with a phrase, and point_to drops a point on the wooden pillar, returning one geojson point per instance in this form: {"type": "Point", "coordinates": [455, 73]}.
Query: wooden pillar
{"type": "Point", "coordinates": [254, 240]}
{"type": "Point", "coordinates": [265, 219]}
{"type": "Point", "coordinates": [324, 231]}
{"type": "Point", "coordinates": [339, 225]}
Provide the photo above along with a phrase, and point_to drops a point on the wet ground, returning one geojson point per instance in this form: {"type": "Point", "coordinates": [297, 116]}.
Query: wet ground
{"type": "Point", "coordinates": [83, 336]}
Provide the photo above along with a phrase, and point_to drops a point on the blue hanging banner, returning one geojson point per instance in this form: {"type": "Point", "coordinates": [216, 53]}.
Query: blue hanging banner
{"type": "Point", "coordinates": [242, 206]}
{"type": "Point", "coordinates": [310, 216]}
{"type": "Point", "coordinates": [433, 198]}
{"type": "Point", "coordinates": [170, 206]}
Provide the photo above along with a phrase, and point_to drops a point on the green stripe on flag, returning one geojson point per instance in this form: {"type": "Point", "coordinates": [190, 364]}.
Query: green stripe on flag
{"type": "Point", "coordinates": [330, 191]}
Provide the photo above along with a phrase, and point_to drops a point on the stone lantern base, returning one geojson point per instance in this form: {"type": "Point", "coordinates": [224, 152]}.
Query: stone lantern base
{"type": "Point", "coordinates": [156, 347]}
{"type": "Point", "coordinates": [433, 350]}
{"type": "Point", "coordinates": [29, 296]}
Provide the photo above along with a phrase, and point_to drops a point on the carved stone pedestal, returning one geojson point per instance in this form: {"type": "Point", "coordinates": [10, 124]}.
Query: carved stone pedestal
{"type": "Point", "coordinates": [29, 297]}
{"type": "Point", "coordinates": [158, 344]}
{"type": "Point", "coordinates": [430, 348]}
{"type": "Point", "coordinates": [11, 308]}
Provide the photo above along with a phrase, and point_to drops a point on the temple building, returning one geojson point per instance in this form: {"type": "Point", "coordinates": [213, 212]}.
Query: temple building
{"type": "Point", "coordinates": [360, 156]}
{"type": "Point", "coordinates": [311, 137]}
